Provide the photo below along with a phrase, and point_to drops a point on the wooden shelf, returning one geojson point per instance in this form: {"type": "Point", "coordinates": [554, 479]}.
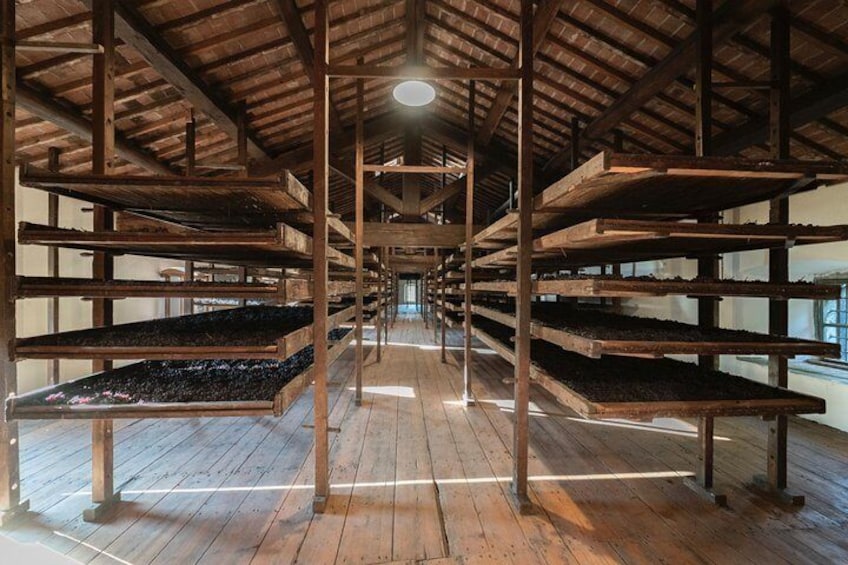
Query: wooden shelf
{"type": "Point", "coordinates": [451, 320]}
{"type": "Point", "coordinates": [284, 246]}
{"type": "Point", "coordinates": [176, 338]}
{"type": "Point", "coordinates": [17, 409]}
{"type": "Point", "coordinates": [604, 241]}
{"type": "Point", "coordinates": [652, 387]}
{"type": "Point", "coordinates": [285, 291]}
{"type": "Point", "coordinates": [599, 334]}
{"type": "Point", "coordinates": [668, 186]}
{"type": "Point", "coordinates": [589, 286]}
{"type": "Point", "coordinates": [198, 202]}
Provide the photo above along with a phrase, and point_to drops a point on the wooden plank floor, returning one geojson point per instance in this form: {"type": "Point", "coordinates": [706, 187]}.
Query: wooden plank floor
{"type": "Point", "coordinates": [416, 477]}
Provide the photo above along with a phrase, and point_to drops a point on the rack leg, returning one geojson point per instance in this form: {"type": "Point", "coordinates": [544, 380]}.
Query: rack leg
{"type": "Point", "coordinates": [103, 493]}
{"type": "Point", "coordinates": [703, 482]}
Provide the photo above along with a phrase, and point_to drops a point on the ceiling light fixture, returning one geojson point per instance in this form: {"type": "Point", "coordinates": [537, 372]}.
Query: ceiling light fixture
{"type": "Point", "coordinates": [414, 93]}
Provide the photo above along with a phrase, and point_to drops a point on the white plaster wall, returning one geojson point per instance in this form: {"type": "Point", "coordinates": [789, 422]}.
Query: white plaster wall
{"type": "Point", "coordinates": [74, 313]}
{"type": "Point", "coordinates": [826, 206]}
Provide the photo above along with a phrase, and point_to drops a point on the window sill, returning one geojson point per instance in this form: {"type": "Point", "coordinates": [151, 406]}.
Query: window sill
{"type": "Point", "coordinates": [805, 367]}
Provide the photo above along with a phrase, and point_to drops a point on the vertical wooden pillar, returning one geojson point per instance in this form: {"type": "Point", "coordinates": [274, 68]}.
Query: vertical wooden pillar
{"type": "Point", "coordinates": [53, 261]}
{"type": "Point", "coordinates": [321, 86]}
{"type": "Point", "coordinates": [779, 134]}
{"type": "Point", "coordinates": [385, 296]}
{"type": "Point", "coordinates": [241, 144]}
{"type": "Point", "coordinates": [444, 314]}
{"type": "Point", "coordinates": [103, 151]}
{"type": "Point", "coordinates": [359, 234]}
{"type": "Point", "coordinates": [617, 141]}
{"type": "Point", "coordinates": [521, 422]}
{"type": "Point", "coordinates": [575, 142]}
{"type": "Point", "coordinates": [10, 494]}
{"type": "Point", "coordinates": [708, 314]}
{"type": "Point", "coordinates": [467, 395]}
{"type": "Point", "coordinates": [379, 319]}
{"type": "Point", "coordinates": [190, 150]}
{"type": "Point", "coordinates": [241, 138]}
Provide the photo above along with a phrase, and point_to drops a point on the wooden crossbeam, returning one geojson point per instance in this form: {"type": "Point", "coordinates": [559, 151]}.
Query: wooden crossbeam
{"type": "Point", "coordinates": [414, 235]}
{"type": "Point", "coordinates": [58, 47]}
{"type": "Point", "coordinates": [421, 72]}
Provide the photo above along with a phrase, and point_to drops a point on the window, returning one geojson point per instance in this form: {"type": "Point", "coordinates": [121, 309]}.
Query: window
{"type": "Point", "coordinates": [832, 317]}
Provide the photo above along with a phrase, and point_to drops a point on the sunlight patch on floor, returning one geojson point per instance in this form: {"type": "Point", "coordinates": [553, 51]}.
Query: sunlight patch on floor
{"type": "Point", "coordinates": [399, 391]}
{"type": "Point", "coordinates": [415, 482]}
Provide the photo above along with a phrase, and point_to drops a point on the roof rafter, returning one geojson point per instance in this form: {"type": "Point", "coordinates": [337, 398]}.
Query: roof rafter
{"type": "Point", "coordinates": [135, 31]}
{"type": "Point", "coordinates": [730, 18]}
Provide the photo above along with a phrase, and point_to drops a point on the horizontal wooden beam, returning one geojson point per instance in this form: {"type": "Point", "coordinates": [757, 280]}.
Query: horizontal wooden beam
{"type": "Point", "coordinates": [413, 72]}
{"type": "Point", "coordinates": [414, 169]}
{"type": "Point", "coordinates": [413, 235]}
{"type": "Point", "coordinates": [58, 47]}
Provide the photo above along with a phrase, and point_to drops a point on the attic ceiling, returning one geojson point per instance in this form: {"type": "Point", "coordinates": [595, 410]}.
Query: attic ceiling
{"type": "Point", "coordinates": [596, 61]}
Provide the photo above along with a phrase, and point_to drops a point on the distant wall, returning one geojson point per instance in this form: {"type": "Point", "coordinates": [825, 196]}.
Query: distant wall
{"type": "Point", "coordinates": [74, 313]}
{"type": "Point", "coordinates": [826, 206]}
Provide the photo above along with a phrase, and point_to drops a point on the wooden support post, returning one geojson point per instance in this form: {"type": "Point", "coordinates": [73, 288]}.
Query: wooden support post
{"type": "Point", "coordinates": [241, 144]}
{"type": "Point", "coordinates": [241, 138]}
{"type": "Point", "coordinates": [575, 142]}
{"type": "Point", "coordinates": [386, 295]}
{"type": "Point", "coordinates": [425, 299]}
{"type": "Point", "coordinates": [53, 262]}
{"type": "Point", "coordinates": [320, 166]}
{"type": "Point", "coordinates": [776, 481]}
{"type": "Point", "coordinates": [190, 150]}
{"type": "Point", "coordinates": [708, 314]}
{"type": "Point", "coordinates": [359, 234]}
{"type": "Point", "coordinates": [617, 141]}
{"type": "Point", "coordinates": [378, 320]}
{"type": "Point", "coordinates": [10, 493]}
{"type": "Point", "coordinates": [521, 417]}
{"type": "Point", "coordinates": [103, 493]}
{"type": "Point", "coordinates": [444, 312]}
{"type": "Point", "coordinates": [468, 395]}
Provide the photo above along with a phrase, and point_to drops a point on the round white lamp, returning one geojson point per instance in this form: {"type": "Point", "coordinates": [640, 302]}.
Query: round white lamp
{"type": "Point", "coordinates": [414, 93]}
